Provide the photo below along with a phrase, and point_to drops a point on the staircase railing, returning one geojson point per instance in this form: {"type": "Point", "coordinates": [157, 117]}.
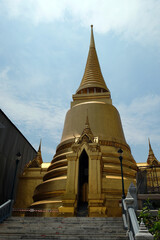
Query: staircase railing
{"type": "Point", "coordinates": [6, 210]}
{"type": "Point", "coordinates": [134, 231]}
{"type": "Point", "coordinates": [130, 220]}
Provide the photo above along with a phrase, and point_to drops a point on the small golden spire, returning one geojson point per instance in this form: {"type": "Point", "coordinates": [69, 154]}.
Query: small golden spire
{"type": "Point", "coordinates": [39, 155]}
{"type": "Point", "coordinates": [87, 131]}
{"type": "Point", "coordinates": [150, 148]}
{"type": "Point", "coordinates": [87, 121]}
{"type": "Point", "coordinates": [37, 160]}
{"type": "Point", "coordinates": [39, 149]}
{"type": "Point", "coordinates": [151, 158]}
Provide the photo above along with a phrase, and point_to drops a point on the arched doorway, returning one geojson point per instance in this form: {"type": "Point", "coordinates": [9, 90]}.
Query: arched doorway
{"type": "Point", "coordinates": [82, 196]}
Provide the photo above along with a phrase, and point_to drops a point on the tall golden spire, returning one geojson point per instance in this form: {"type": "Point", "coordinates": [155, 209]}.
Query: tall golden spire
{"type": "Point", "coordinates": [92, 77]}
{"type": "Point", "coordinates": [151, 158]}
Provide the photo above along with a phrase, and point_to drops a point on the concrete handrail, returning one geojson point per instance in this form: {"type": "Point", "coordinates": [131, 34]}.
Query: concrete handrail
{"type": "Point", "coordinates": [5, 210]}
{"type": "Point", "coordinates": [133, 220]}
{"type": "Point", "coordinates": [135, 232]}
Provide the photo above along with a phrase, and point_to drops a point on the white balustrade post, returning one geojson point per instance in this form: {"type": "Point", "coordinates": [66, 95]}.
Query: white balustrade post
{"type": "Point", "coordinates": [129, 201]}
{"type": "Point", "coordinates": [143, 233]}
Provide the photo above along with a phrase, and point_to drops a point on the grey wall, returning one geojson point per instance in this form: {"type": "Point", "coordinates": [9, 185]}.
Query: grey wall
{"type": "Point", "coordinates": [11, 142]}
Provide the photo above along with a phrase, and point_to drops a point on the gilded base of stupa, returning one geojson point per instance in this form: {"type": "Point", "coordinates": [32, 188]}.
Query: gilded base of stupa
{"type": "Point", "coordinates": [104, 181]}
{"type": "Point", "coordinates": [100, 186]}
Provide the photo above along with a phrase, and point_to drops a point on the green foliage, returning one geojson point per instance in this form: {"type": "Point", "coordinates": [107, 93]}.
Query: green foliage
{"type": "Point", "coordinates": [151, 222]}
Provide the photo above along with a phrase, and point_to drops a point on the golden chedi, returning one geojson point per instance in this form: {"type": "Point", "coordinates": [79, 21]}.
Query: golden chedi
{"type": "Point", "coordinates": [85, 172]}
{"type": "Point", "coordinates": [32, 176]}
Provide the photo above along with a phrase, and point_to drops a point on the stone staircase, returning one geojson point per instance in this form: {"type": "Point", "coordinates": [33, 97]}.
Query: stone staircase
{"type": "Point", "coordinates": [73, 228]}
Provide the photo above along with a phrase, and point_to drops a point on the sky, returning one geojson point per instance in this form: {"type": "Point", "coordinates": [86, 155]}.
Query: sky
{"type": "Point", "coordinates": [43, 52]}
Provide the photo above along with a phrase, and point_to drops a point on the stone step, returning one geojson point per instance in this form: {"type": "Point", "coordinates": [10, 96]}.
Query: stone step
{"type": "Point", "coordinates": [66, 222]}
{"type": "Point", "coordinates": [54, 231]}
{"type": "Point", "coordinates": [63, 224]}
{"type": "Point", "coordinates": [67, 219]}
{"type": "Point", "coordinates": [80, 237]}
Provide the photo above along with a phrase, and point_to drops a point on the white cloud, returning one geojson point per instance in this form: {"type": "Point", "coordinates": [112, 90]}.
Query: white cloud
{"type": "Point", "coordinates": [134, 19]}
{"type": "Point", "coordinates": [141, 119]}
{"type": "Point", "coordinates": [4, 73]}
{"type": "Point", "coordinates": [34, 115]}
{"type": "Point", "coordinates": [39, 114]}
{"type": "Point", "coordinates": [36, 10]}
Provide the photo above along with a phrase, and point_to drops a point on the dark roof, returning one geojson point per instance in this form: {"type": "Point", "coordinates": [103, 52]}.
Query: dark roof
{"type": "Point", "coordinates": [2, 126]}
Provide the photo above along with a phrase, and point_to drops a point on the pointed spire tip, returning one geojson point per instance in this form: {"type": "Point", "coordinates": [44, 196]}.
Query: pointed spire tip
{"type": "Point", "coordinates": [92, 44]}
{"type": "Point", "coordinates": [149, 143]}
{"type": "Point", "coordinates": [39, 149]}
